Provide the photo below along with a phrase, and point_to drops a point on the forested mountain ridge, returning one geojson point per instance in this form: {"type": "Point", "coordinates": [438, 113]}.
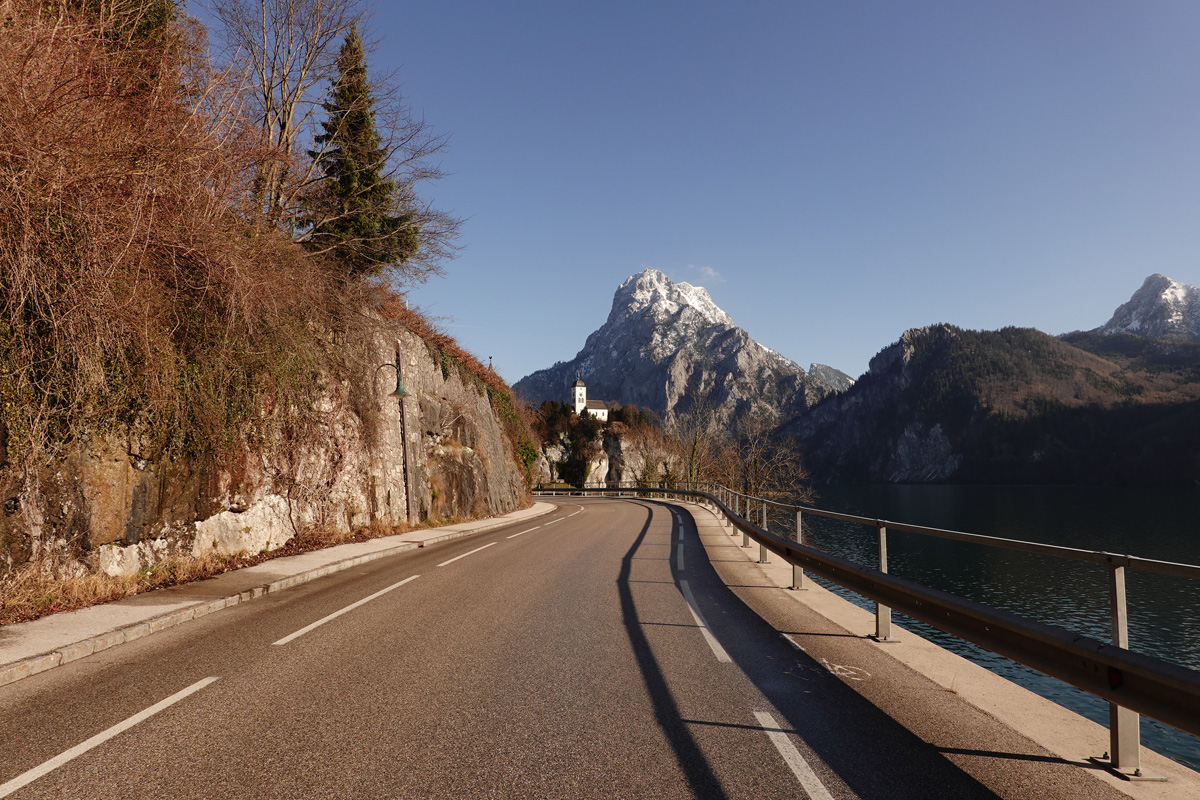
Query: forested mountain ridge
{"type": "Point", "coordinates": [1013, 406]}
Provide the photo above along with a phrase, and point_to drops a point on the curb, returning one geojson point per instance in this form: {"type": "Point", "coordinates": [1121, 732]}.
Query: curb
{"type": "Point", "coordinates": [19, 670]}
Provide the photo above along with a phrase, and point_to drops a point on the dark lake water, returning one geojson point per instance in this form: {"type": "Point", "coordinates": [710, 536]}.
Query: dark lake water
{"type": "Point", "coordinates": [1160, 523]}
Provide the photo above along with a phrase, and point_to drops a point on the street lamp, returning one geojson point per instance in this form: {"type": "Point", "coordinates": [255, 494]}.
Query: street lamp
{"type": "Point", "coordinates": [400, 394]}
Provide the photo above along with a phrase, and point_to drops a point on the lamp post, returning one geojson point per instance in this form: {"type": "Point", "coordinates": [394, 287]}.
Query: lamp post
{"type": "Point", "coordinates": [400, 394]}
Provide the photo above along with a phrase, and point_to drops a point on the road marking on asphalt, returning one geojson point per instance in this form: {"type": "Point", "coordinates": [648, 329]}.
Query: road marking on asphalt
{"type": "Point", "coordinates": [551, 522]}
{"type": "Point", "coordinates": [337, 614]}
{"type": "Point", "coordinates": [522, 533]}
{"type": "Point", "coordinates": [793, 643]}
{"type": "Point", "coordinates": [26, 778]}
{"type": "Point", "coordinates": [808, 779]}
{"type": "Point", "coordinates": [718, 651]}
{"type": "Point", "coordinates": [473, 552]}
{"type": "Point", "coordinates": [846, 673]}
{"type": "Point", "coordinates": [679, 558]}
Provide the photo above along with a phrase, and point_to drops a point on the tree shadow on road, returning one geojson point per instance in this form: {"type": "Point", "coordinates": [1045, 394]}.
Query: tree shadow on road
{"type": "Point", "coordinates": [666, 712]}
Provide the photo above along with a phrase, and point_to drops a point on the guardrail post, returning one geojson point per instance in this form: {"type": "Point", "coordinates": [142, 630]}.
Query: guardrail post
{"type": "Point", "coordinates": [762, 548]}
{"type": "Point", "coordinates": [883, 614]}
{"type": "Point", "coordinates": [1124, 725]}
{"type": "Point", "coordinates": [797, 571]}
{"type": "Point", "coordinates": [745, 515]}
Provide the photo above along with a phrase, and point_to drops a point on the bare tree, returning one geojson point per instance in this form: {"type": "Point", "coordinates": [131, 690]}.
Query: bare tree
{"type": "Point", "coordinates": [287, 51]}
{"type": "Point", "coordinates": [700, 434]}
{"type": "Point", "coordinates": [770, 465]}
{"type": "Point", "coordinates": [287, 48]}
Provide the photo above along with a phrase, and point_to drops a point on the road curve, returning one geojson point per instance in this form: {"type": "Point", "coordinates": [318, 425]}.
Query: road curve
{"type": "Point", "coordinates": [593, 653]}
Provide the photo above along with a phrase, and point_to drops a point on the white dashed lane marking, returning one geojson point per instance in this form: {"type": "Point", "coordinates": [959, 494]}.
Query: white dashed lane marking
{"type": "Point", "coordinates": [471, 553]}
{"type": "Point", "coordinates": [522, 533]}
{"type": "Point", "coordinates": [713, 644]}
{"type": "Point", "coordinates": [26, 778]}
{"type": "Point", "coordinates": [808, 779]}
{"type": "Point", "coordinates": [351, 607]}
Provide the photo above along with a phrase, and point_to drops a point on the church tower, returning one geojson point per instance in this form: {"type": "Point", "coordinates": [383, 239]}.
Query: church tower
{"type": "Point", "coordinates": [579, 394]}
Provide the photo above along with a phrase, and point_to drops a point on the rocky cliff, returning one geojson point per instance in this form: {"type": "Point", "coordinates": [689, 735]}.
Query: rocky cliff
{"type": "Point", "coordinates": [667, 347]}
{"type": "Point", "coordinates": [108, 504]}
{"type": "Point", "coordinates": [617, 455]}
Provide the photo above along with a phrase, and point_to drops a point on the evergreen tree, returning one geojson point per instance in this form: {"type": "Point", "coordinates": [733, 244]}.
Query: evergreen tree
{"type": "Point", "coordinates": [357, 216]}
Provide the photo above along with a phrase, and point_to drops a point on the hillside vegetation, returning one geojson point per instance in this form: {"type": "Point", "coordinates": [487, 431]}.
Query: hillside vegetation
{"type": "Point", "coordinates": [145, 288]}
{"type": "Point", "coordinates": [1014, 406]}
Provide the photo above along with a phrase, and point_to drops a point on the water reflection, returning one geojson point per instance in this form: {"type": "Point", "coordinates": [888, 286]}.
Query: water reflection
{"type": "Point", "coordinates": [1160, 523]}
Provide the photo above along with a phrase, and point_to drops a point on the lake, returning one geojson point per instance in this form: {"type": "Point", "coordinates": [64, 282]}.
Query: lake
{"type": "Point", "coordinates": [1159, 523]}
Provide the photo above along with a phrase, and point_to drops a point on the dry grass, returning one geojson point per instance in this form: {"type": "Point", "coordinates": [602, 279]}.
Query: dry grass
{"type": "Point", "coordinates": [53, 584]}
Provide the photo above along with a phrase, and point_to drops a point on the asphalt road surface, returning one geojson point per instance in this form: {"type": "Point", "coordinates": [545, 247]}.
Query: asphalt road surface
{"type": "Point", "coordinates": [593, 653]}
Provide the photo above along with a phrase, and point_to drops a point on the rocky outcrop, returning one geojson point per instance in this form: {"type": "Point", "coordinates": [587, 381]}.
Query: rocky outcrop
{"type": "Point", "coordinates": [667, 347]}
{"type": "Point", "coordinates": [880, 430]}
{"type": "Point", "coordinates": [621, 455]}
{"type": "Point", "coordinates": [109, 504]}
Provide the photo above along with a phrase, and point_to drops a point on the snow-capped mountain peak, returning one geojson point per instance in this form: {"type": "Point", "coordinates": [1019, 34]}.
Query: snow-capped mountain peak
{"type": "Point", "coordinates": [651, 288]}
{"type": "Point", "coordinates": [668, 346]}
{"type": "Point", "coordinates": [1162, 309]}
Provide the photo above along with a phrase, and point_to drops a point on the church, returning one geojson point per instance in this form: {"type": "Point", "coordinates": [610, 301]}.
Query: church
{"type": "Point", "coordinates": [581, 404]}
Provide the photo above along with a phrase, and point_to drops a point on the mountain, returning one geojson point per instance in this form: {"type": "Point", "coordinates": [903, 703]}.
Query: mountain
{"type": "Point", "coordinates": [1016, 405]}
{"type": "Point", "coordinates": [668, 347]}
{"type": "Point", "coordinates": [1162, 309]}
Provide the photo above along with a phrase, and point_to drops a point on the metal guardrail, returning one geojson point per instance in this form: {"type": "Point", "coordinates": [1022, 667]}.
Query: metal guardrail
{"type": "Point", "coordinates": [1132, 683]}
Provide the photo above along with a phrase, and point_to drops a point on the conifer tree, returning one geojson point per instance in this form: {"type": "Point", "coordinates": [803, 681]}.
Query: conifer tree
{"type": "Point", "coordinates": [357, 216]}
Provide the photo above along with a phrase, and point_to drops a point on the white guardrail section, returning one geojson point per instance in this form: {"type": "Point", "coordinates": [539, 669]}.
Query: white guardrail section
{"type": "Point", "coordinates": [1132, 683]}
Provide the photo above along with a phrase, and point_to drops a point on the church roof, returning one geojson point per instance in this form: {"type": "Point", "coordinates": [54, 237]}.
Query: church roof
{"type": "Point", "coordinates": [596, 404]}
{"type": "Point", "coordinates": [579, 382]}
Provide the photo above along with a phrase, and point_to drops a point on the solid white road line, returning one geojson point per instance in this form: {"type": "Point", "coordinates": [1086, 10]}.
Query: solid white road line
{"type": "Point", "coordinates": [718, 651]}
{"type": "Point", "coordinates": [522, 533]}
{"type": "Point", "coordinates": [350, 607]}
{"type": "Point", "coordinates": [473, 552]}
{"type": "Point", "coordinates": [808, 779]}
{"type": "Point", "coordinates": [26, 778]}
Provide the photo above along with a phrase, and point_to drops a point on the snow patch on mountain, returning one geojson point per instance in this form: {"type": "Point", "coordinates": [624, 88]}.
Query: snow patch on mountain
{"type": "Point", "coordinates": [668, 347]}
{"type": "Point", "coordinates": [1162, 308]}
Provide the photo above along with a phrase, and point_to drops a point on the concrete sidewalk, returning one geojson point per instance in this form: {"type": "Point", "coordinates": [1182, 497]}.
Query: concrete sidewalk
{"type": "Point", "coordinates": [1066, 734]}
{"type": "Point", "coordinates": [32, 647]}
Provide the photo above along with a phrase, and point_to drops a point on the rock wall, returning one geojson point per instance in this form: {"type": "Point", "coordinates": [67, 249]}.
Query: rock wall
{"type": "Point", "coordinates": [621, 456]}
{"type": "Point", "coordinates": [109, 506]}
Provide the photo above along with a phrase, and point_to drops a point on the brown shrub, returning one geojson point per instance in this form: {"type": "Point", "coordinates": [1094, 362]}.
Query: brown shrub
{"type": "Point", "coordinates": [131, 289]}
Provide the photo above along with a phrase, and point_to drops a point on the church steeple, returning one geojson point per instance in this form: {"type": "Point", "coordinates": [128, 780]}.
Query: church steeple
{"type": "Point", "coordinates": [579, 395]}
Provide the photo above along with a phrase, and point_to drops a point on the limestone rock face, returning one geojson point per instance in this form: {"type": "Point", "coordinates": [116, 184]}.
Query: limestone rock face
{"type": "Point", "coordinates": [666, 346]}
{"type": "Point", "coordinates": [111, 506]}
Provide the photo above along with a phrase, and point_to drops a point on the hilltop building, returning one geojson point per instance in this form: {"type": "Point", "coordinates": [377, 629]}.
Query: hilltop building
{"type": "Point", "coordinates": [581, 404]}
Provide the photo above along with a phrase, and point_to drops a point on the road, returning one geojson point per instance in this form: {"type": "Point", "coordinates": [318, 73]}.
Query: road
{"type": "Point", "coordinates": [593, 653]}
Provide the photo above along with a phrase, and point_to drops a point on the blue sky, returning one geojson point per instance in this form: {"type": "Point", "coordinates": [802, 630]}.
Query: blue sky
{"type": "Point", "coordinates": [832, 172]}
